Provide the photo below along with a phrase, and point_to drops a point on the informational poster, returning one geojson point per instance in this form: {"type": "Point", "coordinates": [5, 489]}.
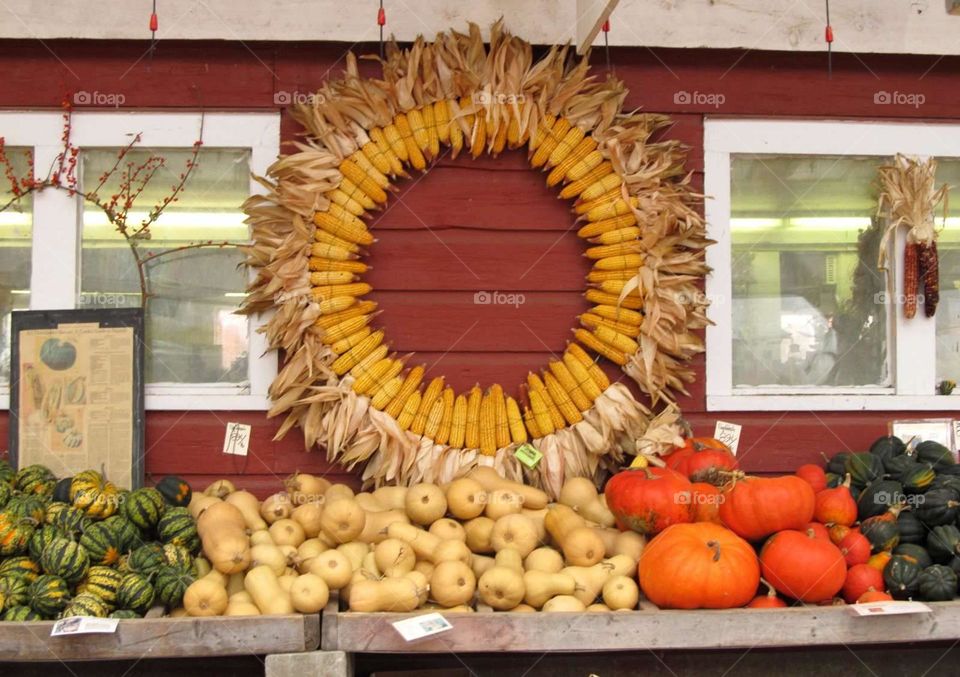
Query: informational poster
{"type": "Point", "coordinates": [79, 397]}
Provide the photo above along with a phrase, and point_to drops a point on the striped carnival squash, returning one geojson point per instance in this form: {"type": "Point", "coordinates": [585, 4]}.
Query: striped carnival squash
{"type": "Point", "coordinates": [135, 593]}
{"type": "Point", "coordinates": [147, 558]}
{"type": "Point", "coordinates": [21, 614]}
{"type": "Point", "coordinates": [20, 566]}
{"type": "Point", "coordinates": [128, 537]}
{"type": "Point", "coordinates": [27, 506]}
{"type": "Point", "coordinates": [42, 537]}
{"type": "Point", "coordinates": [124, 614]}
{"type": "Point", "coordinates": [103, 582]}
{"type": "Point", "coordinates": [178, 557]}
{"type": "Point", "coordinates": [49, 595]}
{"type": "Point", "coordinates": [15, 534]}
{"type": "Point", "coordinates": [171, 583]}
{"type": "Point", "coordinates": [6, 493]}
{"type": "Point", "coordinates": [68, 519]}
{"type": "Point", "coordinates": [175, 491]}
{"type": "Point", "coordinates": [7, 473]}
{"type": "Point", "coordinates": [65, 558]}
{"type": "Point", "coordinates": [177, 526]}
{"type": "Point", "coordinates": [86, 604]}
{"type": "Point", "coordinates": [15, 590]}
{"type": "Point", "coordinates": [100, 542]}
{"type": "Point", "coordinates": [35, 479]}
{"type": "Point", "coordinates": [94, 495]}
{"type": "Point", "coordinates": [144, 507]}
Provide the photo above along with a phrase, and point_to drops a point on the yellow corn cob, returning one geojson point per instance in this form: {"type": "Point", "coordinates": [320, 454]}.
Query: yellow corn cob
{"type": "Point", "coordinates": [318, 264]}
{"type": "Point", "coordinates": [338, 212]}
{"type": "Point", "coordinates": [615, 287]}
{"type": "Point", "coordinates": [433, 136]}
{"type": "Point", "coordinates": [373, 377]}
{"type": "Point", "coordinates": [488, 426]}
{"type": "Point", "coordinates": [598, 276]}
{"type": "Point", "coordinates": [354, 231]}
{"type": "Point", "coordinates": [331, 277]}
{"type": "Point", "coordinates": [565, 146]}
{"type": "Point", "coordinates": [352, 289]}
{"type": "Point", "coordinates": [513, 132]}
{"type": "Point", "coordinates": [371, 171]}
{"type": "Point", "coordinates": [356, 194]}
{"type": "Point", "coordinates": [561, 399]}
{"type": "Point", "coordinates": [582, 168]}
{"type": "Point", "coordinates": [418, 127]}
{"type": "Point", "coordinates": [596, 345]}
{"type": "Point", "coordinates": [410, 384]}
{"type": "Point", "coordinates": [387, 151]}
{"type": "Point", "coordinates": [575, 188]}
{"type": "Point", "coordinates": [621, 315]}
{"type": "Point", "coordinates": [346, 328]}
{"type": "Point", "coordinates": [456, 133]}
{"type": "Point", "coordinates": [432, 425]}
{"type": "Point", "coordinates": [606, 184]}
{"type": "Point", "coordinates": [617, 236]}
{"type": "Point", "coordinates": [366, 364]}
{"type": "Point", "coordinates": [500, 138]}
{"type": "Point", "coordinates": [583, 207]}
{"type": "Point", "coordinates": [576, 155]}
{"type": "Point", "coordinates": [591, 321]}
{"type": "Point", "coordinates": [472, 435]}
{"type": "Point", "coordinates": [611, 225]}
{"type": "Point", "coordinates": [355, 174]}
{"type": "Point", "coordinates": [443, 433]}
{"type": "Point", "coordinates": [341, 198]}
{"type": "Point", "coordinates": [501, 426]}
{"type": "Point", "coordinates": [535, 384]}
{"type": "Point", "coordinates": [609, 250]}
{"type": "Point", "coordinates": [355, 310]}
{"type": "Point", "coordinates": [375, 155]}
{"type": "Point", "coordinates": [612, 209]}
{"type": "Point", "coordinates": [430, 395]}
{"type": "Point", "coordinates": [336, 304]}
{"type": "Point", "coordinates": [410, 407]}
{"type": "Point", "coordinates": [570, 385]}
{"type": "Point", "coordinates": [352, 357]}
{"type": "Point", "coordinates": [417, 160]}
{"type": "Point", "coordinates": [458, 426]}
{"type": "Point", "coordinates": [343, 345]}
{"type": "Point", "coordinates": [543, 129]}
{"type": "Point", "coordinates": [619, 262]}
{"type": "Point", "coordinates": [615, 339]}
{"type": "Point", "coordinates": [605, 299]}
{"type": "Point", "coordinates": [596, 373]}
{"type": "Point", "coordinates": [530, 423]}
{"type": "Point", "coordinates": [580, 374]}
{"type": "Point", "coordinates": [518, 433]}
{"type": "Point", "coordinates": [552, 140]}
{"type": "Point", "coordinates": [397, 144]}
{"type": "Point", "coordinates": [541, 414]}
{"type": "Point", "coordinates": [387, 392]}
{"type": "Point", "coordinates": [441, 120]}
{"type": "Point", "coordinates": [478, 137]}
{"type": "Point", "coordinates": [323, 237]}
{"type": "Point", "coordinates": [328, 251]}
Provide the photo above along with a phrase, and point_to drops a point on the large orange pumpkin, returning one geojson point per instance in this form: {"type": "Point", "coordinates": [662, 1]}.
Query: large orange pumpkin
{"type": "Point", "coordinates": [699, 566]}
{"type": "Point", "coordinates": [801, 567]}
{"type": "Point", "coordinates": [702, 459]}
{"type": "Point", "coordinates": [813, 475]}
{"type": "Point", "coordinates": [706, 502]}
{"type": "Point", "coordinates": [648, 500]}
{"type": "Point", "coordinates": [836, 506]}
{"type": "Point", "coordinates": [755, 507]}
{"type": "Point", "coordinates": [861, 579]}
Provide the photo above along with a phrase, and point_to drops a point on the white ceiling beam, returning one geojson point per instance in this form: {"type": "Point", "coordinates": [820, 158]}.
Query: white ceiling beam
{"type": "Point", "coordinates": [591, 15]}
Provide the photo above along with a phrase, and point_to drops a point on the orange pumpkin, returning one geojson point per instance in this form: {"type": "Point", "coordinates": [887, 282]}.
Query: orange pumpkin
{"type": "Point", "coordinates": [839, 531]}
{"type": "Point", "coordinates": [755, 507]}
{"type": "Point", "coordinates": [817, 530]}
{"type": "Point", "coordinates": [861, 579]}
{"type": "Point", "coordinates": [813, 475]}
{"type": "Point", "coordinates": [803, 568]}
{"type": "Point", "coordinates": [699, 566]}
{"type": "Point", "coordinates": [855, 548]}
{"type": "Point", "coordinates": [836, 506]}
{"type": "Point", "coordinates": [702, 459]}
{"type": "Point", "coordinates": [648, 500]}
{"type": "Point", "coordinates": [874, 596]}
{"type": "Point", "coordinates": [706, 502]}
{"type": "Point", "coordinates": [767, 601]}
{"type": "Point", "coordinates": [879, 560]}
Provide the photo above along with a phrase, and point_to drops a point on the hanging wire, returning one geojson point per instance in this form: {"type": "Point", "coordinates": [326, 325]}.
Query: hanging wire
{"type": "Point", "coordinates": [381, 21]}
{"type": "Point", "coordinates": [606, 42]}
{"type": "Point", "coordinates": [828, 36]}
{"type": "Point", "coordinates": [154, 24]}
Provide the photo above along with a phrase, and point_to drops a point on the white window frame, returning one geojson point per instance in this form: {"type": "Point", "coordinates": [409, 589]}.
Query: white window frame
{"type": "Point", "coordinates": [915, 379]}
{"type": "Point", "coordinates": [55, 252]}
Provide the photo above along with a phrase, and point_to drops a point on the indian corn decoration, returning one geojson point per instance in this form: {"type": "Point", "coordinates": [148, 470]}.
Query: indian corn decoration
{"type": "Point", "coordinates": [344, 385]}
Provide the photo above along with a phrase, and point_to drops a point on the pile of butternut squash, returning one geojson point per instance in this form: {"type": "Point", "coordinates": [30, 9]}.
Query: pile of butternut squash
{"type": "Point", "coordinates": [479, 540]}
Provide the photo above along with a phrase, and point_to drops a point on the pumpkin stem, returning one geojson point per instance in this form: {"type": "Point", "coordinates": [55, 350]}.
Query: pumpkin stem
{"type": "Point", "coordinates": [771, 592]}
{"type": "Point", "coordinates": [716, 550]}
{"type": "Point", "coordinates": [732, 477]}
{"type": "Point", "coordinates": [846, 481]}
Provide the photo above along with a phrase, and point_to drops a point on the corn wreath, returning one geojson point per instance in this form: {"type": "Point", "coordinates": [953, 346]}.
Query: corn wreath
{"type": "Point", "coordinates": [638, 218]}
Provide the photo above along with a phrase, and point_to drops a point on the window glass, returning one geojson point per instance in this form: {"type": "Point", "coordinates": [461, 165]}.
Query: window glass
{"type": "Point", "coordinates": [948, 311]}
{"type": "Point", "coordinates": [193, 335]}
{"type": "Point", "coordinates": [808, 299]}
{"type": "Point", "coordinates": [16, 231]}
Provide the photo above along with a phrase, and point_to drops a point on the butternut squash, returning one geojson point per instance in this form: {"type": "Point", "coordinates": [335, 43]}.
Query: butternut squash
{"type": "Point", "coordinates": [202, 566]}
{"type": "Point", "coordinates": [540, 587]}
{"type": "Point", "coordinates": [309, 549]}
{"type": "Point", "coordinates": [241, 609]}
{"type": "Point", "coordinates": [621, 592]}
{"type": "Point", "coordinates": [580, 493]}
{"type": "Point", "coordinates": [276, 507]}
{"type": "Point", "coordinates": [523, 608]}
{"type": "Point", "coordinates": [509, 559]}
{"type": "Point", "coordinates": [376, 523]}
{"type": "Point", "coordinates": [590, 581]}
{"type": "Point", "coordinates": [490, 480]}
{"type": "Point", "coordinates": [222, 532]}
{"type": "Point", "coordinates": [426, 567]}
{"type": "Point", "coordinates": [307, 515]}
{"type": "Point", "coordinates": [264, 588]}
{"type": "Point", "coordinates": [241, 596]}
{"type": "Point", "coordinates": [537, 517]}
{"type": "Point", "coordinates": [390, 594]}
{"type": "Point", "coordinates": [452, 583]}
{"type": "Point", "coordinates": [332, 566]}
{"type": "Point", "coordinates": [503, 502]}
{"type": "Point", "coordinates": [544, 559]}
{"type": "Point", "coordinates": [583, 547]}
{"type": "Point", "coordinates": [218, 578]}
{"type": "Point", "coordinates": [249, 507]}
{"type": "Point", "coordinates": [354, 552]}
{"type": "Point", "coordinates": [305, 488]}
{"type": "Point", "coordinates": [369, 502]}
{"type": "Point", "coordinates": [335, 492]}
{"type": "Point", "coordinates": [425, 504]}
{"type": "Point", "coordinates": [597, 607]}
{"type": "Point", "coordinates": [291, 555]}
{"type": "Point", "coordinates": [564, 603]}
{"type": "Point", "coordinates": [370, 564]}
{"type": "Point", "coordinates": [220, 489]}
{"type": "Point", "coordinates": [477, 533]}
{"type": "Point", "coordinates": [629, 543]}
{"type": "Point", "coordinates": [514, 531]}
{"type": "Point", "coordinates": [179, 612]}
{"type": "Point", "coordinates": [608, 537]}
{"type": "Point", "coordinates": [394, 557]}
{"type": "Point", "coordinates": [270, 556]}
{"type": "Point", "coordinates": [342, 520]}
{"type": "Point", "coordinates": [392, 498]}
{"type": "Point", "coordinates": [447, 529]}
{"type": "Point", "coordinates": [261, 537]}
{"type": "Point", "coordinates": [423, 542]}
{"type": "Point", "coordinates": [200, 502]}
{"type": "Point", "coordinates": [286, 581]}
{"type": "Point", "coordinates": [466, 498]}
{"type": "Point", "coordinates": [559, 520]}
{"type": "Point", "coordinates": [287, 532]}
{"type": "Point", "coordinates": [501, 588]}
{"type": "Point", "coordinates": [309, 594]}
{"type": "Point", "coordinates": [620, 565]}
{"type": "Point", "coordinates": [234, 583]}
{"type": "Point", "coordinates": [422, 582]}
{"type": "Point", "coordinates": [205, 597]}
{"type": "Point", "coordinates": [452, 551]}
{"type": "Point", "coordinates": [480, 564]}
{"type": "Point", "coordinates": [220, 516]}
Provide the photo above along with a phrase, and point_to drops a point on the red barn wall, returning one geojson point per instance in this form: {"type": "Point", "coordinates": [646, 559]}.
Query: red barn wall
{"type": "Point", "coordinates": [480, 225]}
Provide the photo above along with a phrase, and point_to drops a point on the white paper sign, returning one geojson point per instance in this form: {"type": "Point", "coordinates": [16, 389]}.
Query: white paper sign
{"type": "Point", "coordinates": [84, 625]}
{"type": "Point", "coordinates": [237, 439]}
{"type": "Point", "coordinates": [729, 434]}
{"type": "Point", "coordinates": [889, 608]}
{"type": "Point", "coordinates": [956, 436]}
{"type": "Point", "coordinates": [422, 626]}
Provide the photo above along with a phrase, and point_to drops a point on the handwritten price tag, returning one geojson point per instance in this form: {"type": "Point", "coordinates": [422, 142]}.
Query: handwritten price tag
{"type": "Point", "coordinates": [237, 439]}
{"type": "Point", "coordinates": [729, 434]}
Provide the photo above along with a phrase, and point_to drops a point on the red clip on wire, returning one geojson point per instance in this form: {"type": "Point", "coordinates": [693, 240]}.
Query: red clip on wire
{"type": "Point", "coordinates": [153, 22]}
{"type": "Point", "coordinates": [381, 17]}
{"type": "Point", "coordinates": [829, 33]}
{"type": "Point", "coordinates": [606, 26]}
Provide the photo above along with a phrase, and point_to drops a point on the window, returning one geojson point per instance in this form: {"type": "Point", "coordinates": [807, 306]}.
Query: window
{"type": "Point", "coordinates": [803, 317]}
{"type": "Point", "coordinates": [16, 224]}
{"type": "Point", "coordinates": [200, 353]}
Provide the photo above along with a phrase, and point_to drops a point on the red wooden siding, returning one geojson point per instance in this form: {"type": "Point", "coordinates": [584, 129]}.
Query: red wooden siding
{"type": "Point", "coordinates": [485, 225]}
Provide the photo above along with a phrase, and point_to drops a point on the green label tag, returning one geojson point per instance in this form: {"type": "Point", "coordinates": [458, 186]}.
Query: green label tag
{"type": "Point", "coordinates": [528, 455]}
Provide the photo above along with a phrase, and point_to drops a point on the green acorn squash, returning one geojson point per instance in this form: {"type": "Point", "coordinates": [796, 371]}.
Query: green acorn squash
{"type": "Point", "coordinates": [937, 583]}
{"type": "Point", "coordinates": [877, 497]}
{"type": "Point", "coordinates": [901, 575]}
{"type": "Point", "coordinates": [882, 530]}
{"type": "Point", "coordinates": [889, 446]}
{"type": "Point", "coordinates": [943, 542]}
{"type": "Point", "coordinates": [863, 468]}
{"type": "Point", "coordinates": [934, 453]}
{"type": "Point", "coordinates": [912, 530]}
{"type": "Point", "coordinates": [918, 479]}
{"type": "Point", "coordinates": [939, 506]}
{"type": "Point", "coordinates": [837, 463]}
{"type": "Point", "coordinates": [917, 552]}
